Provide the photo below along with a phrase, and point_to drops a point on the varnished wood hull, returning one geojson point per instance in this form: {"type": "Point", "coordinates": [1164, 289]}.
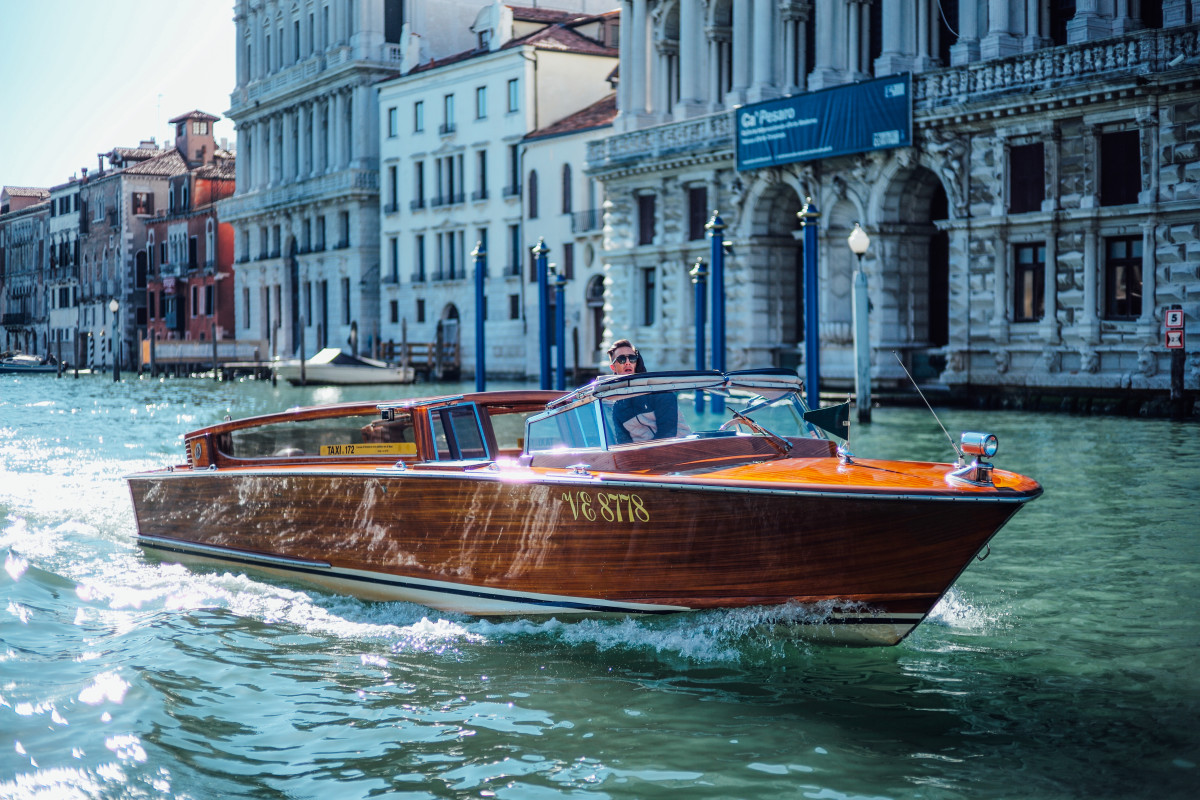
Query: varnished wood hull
{"type": "Point", "coordinates": [515, 541]}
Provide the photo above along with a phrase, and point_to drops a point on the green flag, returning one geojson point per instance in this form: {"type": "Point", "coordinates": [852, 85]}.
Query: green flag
{"type": "Point", "coordinates": [834, 419]}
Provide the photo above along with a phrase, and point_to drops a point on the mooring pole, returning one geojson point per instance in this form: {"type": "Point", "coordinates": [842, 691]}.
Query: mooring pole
{"type": "Point", "coordinates": [715, 228]}
{"type": "Point", "coordinates": [540, 251]}
{"type": "Point", "coordinates": [560, 329]}
{"type": "Point", "coordinates": [699, 275]}
{"type": "Point", "coordinates": [809, 215]}
{"type": "Point", "coordinates": [480, 256]}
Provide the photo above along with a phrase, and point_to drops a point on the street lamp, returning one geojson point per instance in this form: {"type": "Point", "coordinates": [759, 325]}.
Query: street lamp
{"type": "Point", "coordinates": [859, 242]}
{"type": "Point", "coordinates": [114, 306]}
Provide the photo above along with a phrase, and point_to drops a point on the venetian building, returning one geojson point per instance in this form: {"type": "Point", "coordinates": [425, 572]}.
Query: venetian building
{"type": "Point", "coordinates": [1030, 238]}
{"type": "Point", "coordinates": [305, 212]}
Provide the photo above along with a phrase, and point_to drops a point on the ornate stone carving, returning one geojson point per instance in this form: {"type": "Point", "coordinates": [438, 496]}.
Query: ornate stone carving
{"type": "Point", "coordinates": [1003, 361]}
{"type": "Point", "coordinates": [1147, 362]}
{"type": "Point", "coordinates": [1089, 361]}
{"type": "Point", "coordinates": [1050, 360]}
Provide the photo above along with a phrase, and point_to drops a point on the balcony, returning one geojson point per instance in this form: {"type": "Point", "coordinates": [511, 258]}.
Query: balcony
{"type": "Point", "coordinates": [391, 208]}
{"type": "Point", "coordinates": [479, 194]}
{"type": "Point", "coordinates": [1143, 52]}
{"type": "Point", "coordinates": [513, 191]}
{"type": "Point", "coordinates": [446, 128]}
{"type": "Point", "coordinates": [417, 277]}
{"type": "Point", "coordinates": [16, 319]}
{"type": "Point", "coordinates": [584, 221]}
{"type": "Point", "coordinates": [438, 201]}
{"type": "Point", "coordinates": [417, 205]}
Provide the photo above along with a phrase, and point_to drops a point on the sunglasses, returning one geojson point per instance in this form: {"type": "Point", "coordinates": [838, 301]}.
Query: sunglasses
{"type": "Point", "coordinates": [626, 359]}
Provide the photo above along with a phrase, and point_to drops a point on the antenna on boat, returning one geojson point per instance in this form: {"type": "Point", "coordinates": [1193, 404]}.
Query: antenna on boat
{"type": "Point", "coordinates": [961, 458]}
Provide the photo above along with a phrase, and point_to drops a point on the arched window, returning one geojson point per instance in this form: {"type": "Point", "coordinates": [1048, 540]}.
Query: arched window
{"type": "Point", "coordinates": [595, 306]}
{"type": "Point", "coordinates": [566, 189]}
{"type": "Point", "coordinates": [533, 194]}
{"type": "Point", "coordinates": [210, 243]}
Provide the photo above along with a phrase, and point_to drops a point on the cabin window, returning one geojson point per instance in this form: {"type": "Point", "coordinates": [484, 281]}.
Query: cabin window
{"type": "Point", "coordinates": [457, 433]}
{"type": "Point", "coordinates": [353, 435]}
{"type": "Point", "coordinates": [572, 430]}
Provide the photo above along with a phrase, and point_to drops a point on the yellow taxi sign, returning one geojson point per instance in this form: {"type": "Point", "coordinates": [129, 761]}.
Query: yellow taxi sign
{"type": "Point", "coordinates": [370, 449]}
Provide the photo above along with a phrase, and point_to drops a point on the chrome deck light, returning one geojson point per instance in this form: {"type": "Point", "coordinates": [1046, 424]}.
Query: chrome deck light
{"type": "Point", "coordinates": [978, 472]}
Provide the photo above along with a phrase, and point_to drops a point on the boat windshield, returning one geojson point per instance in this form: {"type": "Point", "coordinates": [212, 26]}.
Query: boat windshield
{"type": "Point", "coordinates": [691, 412]}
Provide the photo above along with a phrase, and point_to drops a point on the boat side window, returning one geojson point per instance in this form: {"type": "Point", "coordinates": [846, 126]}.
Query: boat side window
{"type": "Point", "coordinates": [458, 433]}
{"type": "Point", "coordinates": [574, 429]}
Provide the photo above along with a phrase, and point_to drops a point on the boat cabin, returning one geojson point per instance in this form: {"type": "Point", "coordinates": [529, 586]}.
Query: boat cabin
{"type": "Point", "coordinates": [650, 422]}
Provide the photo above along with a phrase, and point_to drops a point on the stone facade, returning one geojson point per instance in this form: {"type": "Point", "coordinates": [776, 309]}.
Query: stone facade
{"type": "Point", "coordinates": [1030, 239]}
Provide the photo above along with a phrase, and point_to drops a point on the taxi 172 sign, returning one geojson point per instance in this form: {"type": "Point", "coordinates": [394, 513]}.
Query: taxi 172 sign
{"type": "Point", "coordinates": [872, 115]}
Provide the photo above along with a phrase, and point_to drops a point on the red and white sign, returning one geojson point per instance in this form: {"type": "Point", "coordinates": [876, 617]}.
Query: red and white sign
{"type": "Point", "coordinates": [1174, 317]}
{"type": "Point", "coordinates": [1175, 339]}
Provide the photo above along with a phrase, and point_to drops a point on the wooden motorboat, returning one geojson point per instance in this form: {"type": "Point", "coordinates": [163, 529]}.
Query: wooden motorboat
{"type": "Point", "coordinates": [330, 366]}
{"type": "Point", "coordinates": [532, 502]}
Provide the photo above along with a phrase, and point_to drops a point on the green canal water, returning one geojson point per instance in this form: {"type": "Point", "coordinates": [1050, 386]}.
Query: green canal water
{"type": "Point", "coordinates": [1065, 665]}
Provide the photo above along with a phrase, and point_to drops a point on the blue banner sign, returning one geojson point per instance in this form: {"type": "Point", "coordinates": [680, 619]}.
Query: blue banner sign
{"type": "Point", "coordinates": [872, 115]}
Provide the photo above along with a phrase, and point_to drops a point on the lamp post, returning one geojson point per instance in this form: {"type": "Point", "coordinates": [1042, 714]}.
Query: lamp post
{"type": "Point", "coordinates": [540, 251]}
{"type": "Point", "coordinates": [480, 256]}
{"type": "Point", "coordinates": [114, 306]}
{"type": "Point", "coordinates": [559, 282]}
{"type": "Point", "coordinates": [699, 275]}
{"type": "Point", "coordinates": [809, 215]}
{"type": "Point", "coordinates": [859, 242]}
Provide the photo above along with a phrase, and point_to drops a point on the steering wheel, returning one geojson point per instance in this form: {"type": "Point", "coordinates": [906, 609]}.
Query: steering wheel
{"type": "Point", "coordinates": [733, 422]}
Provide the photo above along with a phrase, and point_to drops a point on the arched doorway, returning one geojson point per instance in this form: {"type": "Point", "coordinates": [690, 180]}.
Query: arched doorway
{"type": "Point", "coordinates": [772, 322]}
{"type": "Point", "coordinates": [913, 268]}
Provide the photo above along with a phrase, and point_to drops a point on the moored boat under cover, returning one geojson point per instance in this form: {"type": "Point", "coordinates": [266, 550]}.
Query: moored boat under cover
{"type": "Point", "coordinates": [525, 503]}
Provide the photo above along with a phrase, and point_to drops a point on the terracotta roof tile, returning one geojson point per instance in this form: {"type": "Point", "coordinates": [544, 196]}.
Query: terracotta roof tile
{"type": "Point", "coordinates": [194, 114]}
{"type": "Point", "coordinates": [27, 191]}
{"type": "Point", "coordinates": [597, 115]}
{"type": "Point", "coordinates": [165, 164]}
{"type": "Point", "coordinates": [556, 37]}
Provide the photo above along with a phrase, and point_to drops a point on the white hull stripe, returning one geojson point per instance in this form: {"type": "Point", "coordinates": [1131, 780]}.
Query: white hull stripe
{"type": "Point", "coordinates": [499, 601]}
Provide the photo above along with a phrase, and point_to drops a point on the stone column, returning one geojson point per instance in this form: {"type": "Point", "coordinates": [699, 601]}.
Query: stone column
{"type": "Point", "coordinates": [1003, 255]}
{"type": "Point", "coordinates": [625, 51]}
{"type": "Point", "coordinates": [1034, 38]}
{"type": "Point", "coordinates": [1175, 12]}
{"type": "Point", "coordinates": [365, 121]}
{"type": "Point", "coordinates": [718, 46]}
{"type": "Point", "coordinates": [894, 58]}
{"type": "Point", "coordinates": [337, 130]}
{"type": "Point", "coordinates": [763, 85]}
{"type": "Point", "coordinates": [286, 120]}
{"type": "Point", "coordinates": [854, 39]}
{"type": "Point", "coordinates": [1147, 323]}
{"type": "Point", "coordinates": [1048, 328]}
{"type": "Point", "coordinates": [999, 41]}
{"type": "Point", "coordinates": [831, 45]}
{"type": "Point", "coordinates": [1087, 24]}
{"type": "Point", "coordinates": [691, 44]}
{"type": "Point", "coordinates": [640, 48]}
{"type": "Point", "coordinates": [741, 52]}
{"type": "Point", "coordinates": [925, 59]}
{"type": "Point", "coordinates": [1089, 321]}
{"type": "Point", "coordinates": [966, 49]}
